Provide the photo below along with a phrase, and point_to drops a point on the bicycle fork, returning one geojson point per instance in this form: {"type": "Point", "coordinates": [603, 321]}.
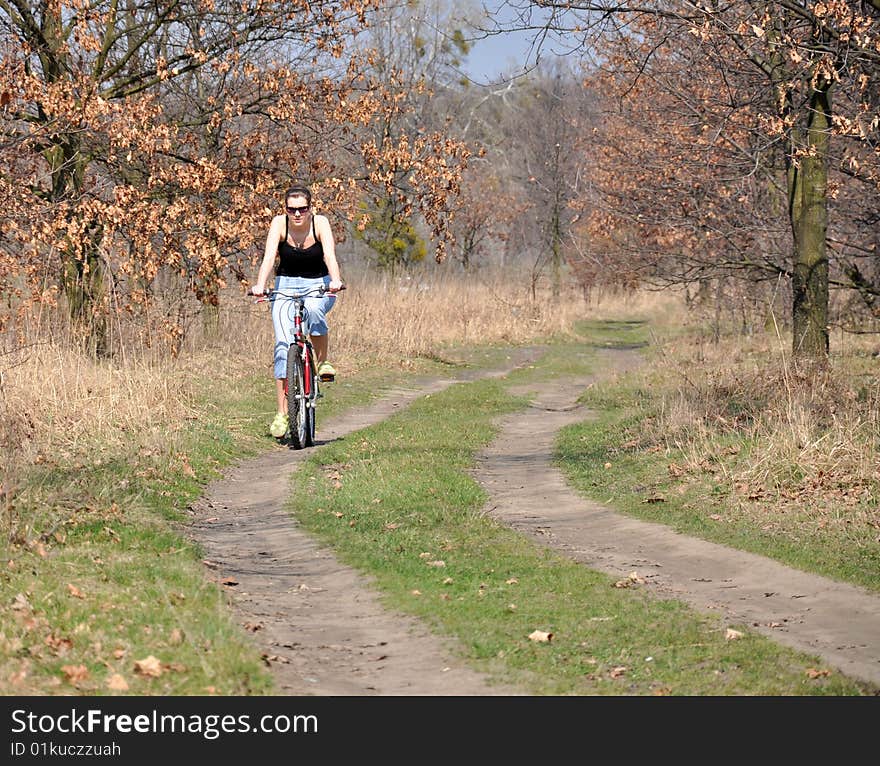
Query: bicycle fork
{"type": "Point", "coordinates": [308, 378]}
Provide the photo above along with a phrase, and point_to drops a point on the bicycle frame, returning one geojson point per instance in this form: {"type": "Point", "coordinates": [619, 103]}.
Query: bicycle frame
{"type": "Point", "coordinates": [300, 340]}
{"type": "Point", "coordinates": [302, 400]}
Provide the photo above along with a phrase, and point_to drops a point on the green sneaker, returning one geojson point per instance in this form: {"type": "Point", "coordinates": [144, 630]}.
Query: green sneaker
{"type": "Point", "coordinates": [326, 372]}
{"type": "Point", "coordinates": [279, 425]}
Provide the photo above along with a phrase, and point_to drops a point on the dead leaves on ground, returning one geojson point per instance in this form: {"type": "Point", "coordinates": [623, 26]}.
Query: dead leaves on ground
{"type": "Point", "coordinates": [149, 666]}
{"type": "Point", "coordinates": [75, 674]}
{"type": "Point", "coordinates": [74, 591]}
{"type": "Point", "coordinates": [153, 667]}
{"type": "Point", "coordinates": [117, 683]}
{"type": "Point", "coordinates": [333, 474]}
{"type": "Point", "coordinates": [633, 578]}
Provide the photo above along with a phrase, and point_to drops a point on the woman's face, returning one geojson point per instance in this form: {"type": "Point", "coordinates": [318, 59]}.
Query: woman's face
{"type": "Point", "coordinates": [297, 208]}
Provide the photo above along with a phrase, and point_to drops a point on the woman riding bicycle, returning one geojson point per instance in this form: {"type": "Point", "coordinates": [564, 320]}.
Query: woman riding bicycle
{"type": "Point", "coordinates": [303, 243]}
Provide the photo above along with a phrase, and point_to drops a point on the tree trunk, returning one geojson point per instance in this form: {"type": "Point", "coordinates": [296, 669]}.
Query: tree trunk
{"type": "Point", "coordinates": [83, 273]}
{"type": "Point", "coordinates": [85, 288]}
{"type": "Point", "coordinates": [808, 186]}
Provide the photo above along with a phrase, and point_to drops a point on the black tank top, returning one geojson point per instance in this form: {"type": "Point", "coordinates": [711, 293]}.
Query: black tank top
{"type": "Point", "coordinates": [305, 262]}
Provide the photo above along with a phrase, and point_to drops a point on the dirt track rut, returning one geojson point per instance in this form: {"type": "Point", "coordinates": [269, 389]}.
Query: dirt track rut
{"type": "Point", "coordinates": [838, 622]}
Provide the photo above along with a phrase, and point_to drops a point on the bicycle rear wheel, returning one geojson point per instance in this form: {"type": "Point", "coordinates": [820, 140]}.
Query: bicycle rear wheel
{"type": "Point", "coordinates": [297, 400]}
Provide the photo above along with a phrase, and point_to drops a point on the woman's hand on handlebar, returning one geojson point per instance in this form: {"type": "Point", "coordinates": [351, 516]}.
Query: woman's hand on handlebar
{"type": "Point", "coordinates": [335, 286]}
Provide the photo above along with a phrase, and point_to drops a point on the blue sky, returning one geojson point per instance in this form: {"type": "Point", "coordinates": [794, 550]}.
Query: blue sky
{"type": "Point", "coordinates": [504, 54]}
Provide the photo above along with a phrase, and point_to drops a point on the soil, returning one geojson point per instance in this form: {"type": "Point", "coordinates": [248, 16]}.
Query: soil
{"type": "Point", "coordinates": [323, 629]}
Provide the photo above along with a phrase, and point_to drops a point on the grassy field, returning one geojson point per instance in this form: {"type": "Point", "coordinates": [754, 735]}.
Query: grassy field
{"type": "Point", "coordinates": [104, 595]}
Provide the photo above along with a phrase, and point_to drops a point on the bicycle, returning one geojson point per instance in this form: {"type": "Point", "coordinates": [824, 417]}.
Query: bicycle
{"type": "Point", "coordinates": [301, 387]}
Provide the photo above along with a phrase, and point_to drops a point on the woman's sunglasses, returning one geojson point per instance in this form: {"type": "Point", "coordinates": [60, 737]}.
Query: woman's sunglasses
{"type": "Point", "coordinates": [300, 210]}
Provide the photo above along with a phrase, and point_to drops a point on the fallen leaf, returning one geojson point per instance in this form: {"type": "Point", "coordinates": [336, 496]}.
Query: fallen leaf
{"type": "Point", "coordinates": [253, 626]}
{"type": "Point", "coordinates": [540, 636]}
{"type": "Point", "coordinates": [732, 635]}
{"type": "Point", "coordinates": [119, 653]}
{"type": "Point", "coordinates": [149, 666]}
{"type": "Point", "coordinates": [438, 563]}
{"type": "Point", "coordinates": [18, 678]}
{"type": "Point", "coordinates": [716, 517]}
{"type": "Point", "coordinates": [425, 555]}
{"type": "Point", "coordinates": [392, 526]}
{"type": "Point", "coordinates": [447, 581]}
{"type": "Point", "coordinates": [338, 515]}
{"type": "Point", "coordinates": [512, 581]}
{"type": "Point", "coordinates": [416, 592]}
{"type": "Point", "coordinates": [608, 465]}
{"type": "Point", "coordinates": [632, 578]}
{"type": "Point", "coordinates": [813, 673]}
{"type": "Point", "coordinates": [59, 644]}
{"type": "Point", "coordinates": [176, 636]}
{"type": "Point", "coordinates": [618, 671]}
{"type": "Point", "coordinates": [117, 683]}
{"type": "Point", "coordinates": [74, 673]}
{"type": "Point", "coordinates": [230, 581]}
{"type": "Point", "coordinates": [20, 603]}
{"type": "Point", "coordinates": [74, 591]}
{"type": "Point", "coordinates": [185, 466]}
{"type": "Point", "coordinates": [655, 499]}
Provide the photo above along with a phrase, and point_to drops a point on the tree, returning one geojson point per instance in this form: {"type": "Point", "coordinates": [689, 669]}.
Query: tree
{"type": "Point", "coordinates": [802, 74]}
{"type": "Point", "coordinates": [139, 137]}
{"type": "Point", "coordinates": [415, 49]}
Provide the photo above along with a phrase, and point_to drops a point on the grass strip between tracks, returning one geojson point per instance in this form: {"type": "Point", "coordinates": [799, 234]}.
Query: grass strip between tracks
{"type": "Point", "coordinates": [397, 501]}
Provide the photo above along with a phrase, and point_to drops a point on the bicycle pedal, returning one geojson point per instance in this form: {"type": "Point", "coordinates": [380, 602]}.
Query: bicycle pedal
{"type": "Point", "coordinates": [327, 378]}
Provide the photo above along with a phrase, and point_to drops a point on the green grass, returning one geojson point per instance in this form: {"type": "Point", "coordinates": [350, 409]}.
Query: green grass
{"type": "Point", "coordinates": [101, 574]}
{"type": "Point", "coordinates": [614, 333]}
{"type": "Point", "coordinates": [608, 459]}
{"type": "Point", "coordinates": [372, 500]}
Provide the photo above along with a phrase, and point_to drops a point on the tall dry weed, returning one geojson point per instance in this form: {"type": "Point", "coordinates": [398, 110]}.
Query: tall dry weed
{"type": "Point", "coordinates": [806, 440]}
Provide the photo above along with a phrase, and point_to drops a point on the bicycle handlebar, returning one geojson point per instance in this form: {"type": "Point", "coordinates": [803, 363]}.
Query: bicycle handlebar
{"type": "Point", "coordinates": [272, 294]}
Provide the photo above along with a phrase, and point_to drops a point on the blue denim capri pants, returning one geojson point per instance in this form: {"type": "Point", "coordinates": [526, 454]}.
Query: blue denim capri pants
{"type": "Point", "coordinates": [314, 316]}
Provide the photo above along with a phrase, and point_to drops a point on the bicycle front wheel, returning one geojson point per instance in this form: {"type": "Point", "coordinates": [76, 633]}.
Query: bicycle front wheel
{"type": "Point", "coordinates": [312, 380]}
{"type": "Point", "coordinates": [297, 400]}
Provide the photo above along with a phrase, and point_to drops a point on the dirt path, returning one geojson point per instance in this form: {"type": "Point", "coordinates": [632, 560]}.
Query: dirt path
{"type": "Point", "coordinates": [319, 623]}
{"type": "Point", "coordinates": [324, 631]}
{"type": "Point", "coordinates": [839, 623]}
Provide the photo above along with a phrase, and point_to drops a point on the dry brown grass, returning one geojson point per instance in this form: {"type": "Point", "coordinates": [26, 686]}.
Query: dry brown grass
{"type": "Point", "coordinates": [56, 400]}
{"type": "Point", "coordinates": [796, 447]}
